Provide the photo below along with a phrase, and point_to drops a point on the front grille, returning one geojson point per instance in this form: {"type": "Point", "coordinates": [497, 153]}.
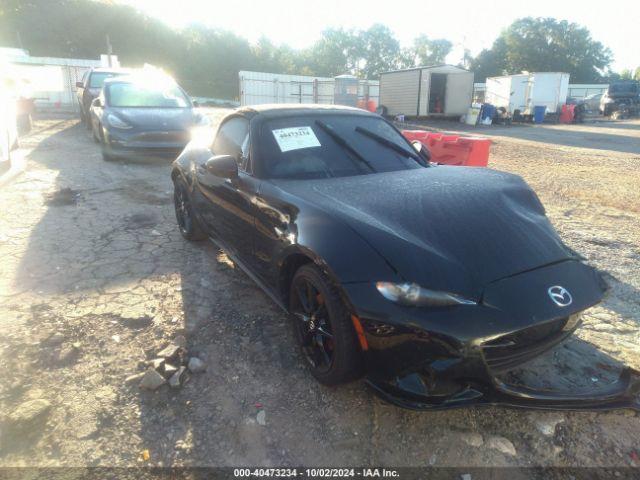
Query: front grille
{"type": "Point", "coordinates": [175, 136]}
{"type": "Point", "coordinates": [509, 351]}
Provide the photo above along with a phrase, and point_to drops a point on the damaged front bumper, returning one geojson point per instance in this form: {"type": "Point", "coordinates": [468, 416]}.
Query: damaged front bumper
{"type": "Point", "coordinates": [460, 356]}
{"type": "Point", "coordinates": [624, 393]}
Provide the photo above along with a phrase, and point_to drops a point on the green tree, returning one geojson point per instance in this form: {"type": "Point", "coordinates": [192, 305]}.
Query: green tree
{"type": "Point", "coordinates": [380, 51]}
{"type": "Point", "coordinates": [626, 74]}
{"type": "Point", "coordinates": [430, 52]}
{"type": "Point", "coordinates": [544, 44]}
{"type": "Point", "coordinates": [338, 51]}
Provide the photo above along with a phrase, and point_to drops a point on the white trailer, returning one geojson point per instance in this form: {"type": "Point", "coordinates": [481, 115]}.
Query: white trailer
{"type": "Point", "coordinates": [442, 90]}
{"type": "Point", "coordinates": [525, 91]}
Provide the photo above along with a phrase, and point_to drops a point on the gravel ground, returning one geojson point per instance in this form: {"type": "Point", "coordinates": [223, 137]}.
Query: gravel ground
{"type": "Point", "coordinates": [96, 279]}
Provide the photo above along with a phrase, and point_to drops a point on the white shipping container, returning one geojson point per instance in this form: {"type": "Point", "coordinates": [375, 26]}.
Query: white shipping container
{"type": "Point", "coordinates": [528, 90]}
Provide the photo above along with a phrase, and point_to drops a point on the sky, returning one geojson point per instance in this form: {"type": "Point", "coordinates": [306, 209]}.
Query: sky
{"type": "Point", "coordinates": [468, 24]}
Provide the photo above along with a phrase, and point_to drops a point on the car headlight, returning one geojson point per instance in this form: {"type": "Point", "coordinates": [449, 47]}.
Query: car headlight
{"type": "Point", "coordinates": [414, 295]}
{"type": "Point", "coordinates": [116, 122]}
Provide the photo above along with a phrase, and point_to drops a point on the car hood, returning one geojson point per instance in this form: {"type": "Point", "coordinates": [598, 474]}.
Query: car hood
{"type": "Point", "coordinates": [150, 119]}
{"type": "Point", "coordinates": [448, 228]}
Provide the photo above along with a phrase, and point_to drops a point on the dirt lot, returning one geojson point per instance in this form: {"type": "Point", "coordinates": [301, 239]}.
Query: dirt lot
{"type": "Point", "coordinates": [96, 279]}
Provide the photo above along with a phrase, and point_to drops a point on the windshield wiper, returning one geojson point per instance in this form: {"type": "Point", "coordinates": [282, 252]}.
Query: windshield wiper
{"type": "Point", "coordinates": [344, 143]}
{"type": "Point", "coordinates": [392, 145]}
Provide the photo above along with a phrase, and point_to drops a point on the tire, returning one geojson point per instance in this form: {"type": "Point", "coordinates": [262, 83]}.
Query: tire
{"type": "Point", "coordinates": [327, 329]}
{"type": "Point", "coordinates": [188, 223]}
{"type": "Point", "coordinates": [94, 135]}
{"type": "Point", "coordinates": [106, 157]}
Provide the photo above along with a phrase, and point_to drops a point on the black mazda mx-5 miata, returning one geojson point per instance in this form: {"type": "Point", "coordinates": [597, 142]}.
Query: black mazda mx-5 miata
{"type": "Point", "coordinates": [429, 280]}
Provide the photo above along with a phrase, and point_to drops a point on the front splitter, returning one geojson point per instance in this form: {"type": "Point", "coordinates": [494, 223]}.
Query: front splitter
{"type": "Point", "coordinates": [623, 393]}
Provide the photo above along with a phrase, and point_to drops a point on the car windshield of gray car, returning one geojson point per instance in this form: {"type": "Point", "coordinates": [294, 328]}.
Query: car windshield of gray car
{"type": "Point", "coordinates": [97, 78]}
{"type": "Point", "coordinates": [324, 146]}
{"type": "Point", "coordinates": [133, 95]}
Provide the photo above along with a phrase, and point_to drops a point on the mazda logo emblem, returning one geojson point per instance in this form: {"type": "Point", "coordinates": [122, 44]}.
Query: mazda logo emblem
{"type": "Point", "coordinates": [560, 296]}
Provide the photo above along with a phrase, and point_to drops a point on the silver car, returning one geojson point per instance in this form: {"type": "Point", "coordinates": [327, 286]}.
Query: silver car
{"type": "Point", "coordinates": [592, 102]}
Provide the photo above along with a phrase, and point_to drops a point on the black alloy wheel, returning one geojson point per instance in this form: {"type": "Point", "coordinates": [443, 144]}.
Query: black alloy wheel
{"type": "Point", "coordinates": [187, 223]}
{"type": "Point", "coordinates": [323, 328]}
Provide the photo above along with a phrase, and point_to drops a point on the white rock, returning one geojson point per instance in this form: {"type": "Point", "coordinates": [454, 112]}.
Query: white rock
{"type": "Point", "coordinates": [151, 380]}
{"type": "Point", "coordinates": [56, 339]}
{"type": "Point", "coordinates": [176, 379]}
{"type": "Point", "coordinates": [474, 439]}
{"type": "Point", "coordinates": [134, 378]}
{"type": "Point", "coordinates": [261, 417]}
{"type": "Point", "coordinates": [29, 413]}
{"type": "Point", "coordinates": [547, 424]}
{"type": "Point", "coordinates": [502, 444]}
{"type": "Point", "coordinates": [196, 365]}
{"type": "Point", "coordinates": [169, 351]}
{"type": "Point", "coordinates": [169, 369]}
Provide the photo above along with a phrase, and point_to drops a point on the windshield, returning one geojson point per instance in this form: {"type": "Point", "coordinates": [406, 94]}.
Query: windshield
{"type": "Point", "coordinates": [324, 146]}
{"type": "Point", "coordinates": [97, 78]}
{"type": "Point", "coordinates": [136, 95]}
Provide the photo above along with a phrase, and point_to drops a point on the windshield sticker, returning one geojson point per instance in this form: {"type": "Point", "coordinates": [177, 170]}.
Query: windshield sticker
{"type": "Point", "coordinates": [295, 138]}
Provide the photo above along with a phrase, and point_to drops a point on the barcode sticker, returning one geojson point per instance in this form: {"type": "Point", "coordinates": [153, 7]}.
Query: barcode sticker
{"type": "Point", "coordinates": [295, 138]}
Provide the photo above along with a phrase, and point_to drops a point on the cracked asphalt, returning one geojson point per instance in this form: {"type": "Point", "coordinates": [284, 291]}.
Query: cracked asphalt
{"type": "Point", "coordinates": [96, 279]}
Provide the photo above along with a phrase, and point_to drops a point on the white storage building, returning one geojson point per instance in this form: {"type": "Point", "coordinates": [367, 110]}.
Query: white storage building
{"type": "Point", "coordinates": [525, 91]}
{"type": "Point", "coordinates": [50, 81]}
{"type": "Point", "coordinates": [260, 87]}
{"type": "Point", "coordinates": [441, 90]}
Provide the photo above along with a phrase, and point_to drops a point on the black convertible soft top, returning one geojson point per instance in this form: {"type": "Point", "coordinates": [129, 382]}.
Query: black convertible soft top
{"type": "Point", "coordinates": [291, 109]}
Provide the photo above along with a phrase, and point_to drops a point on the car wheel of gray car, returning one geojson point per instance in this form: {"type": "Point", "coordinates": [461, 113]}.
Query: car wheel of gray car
{"type": "Point", "coordinates": [188, 224]}
{"type": "Point", "coordinates": [323, 328]}
{"type": "Point", "coordinates": [94, 135]}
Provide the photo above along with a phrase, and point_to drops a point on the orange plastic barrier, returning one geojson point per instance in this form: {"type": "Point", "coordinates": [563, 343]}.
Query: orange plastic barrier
{"type": "Point", "coordinates": [369, 105]}
{"type": "Point", "coordinates": [453, 149]}
{"type": "Point", "coordinates": [567, 113]}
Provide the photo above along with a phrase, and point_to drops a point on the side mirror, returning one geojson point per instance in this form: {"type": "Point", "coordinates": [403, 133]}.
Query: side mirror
{"type": "Point", "coordinates": [422, 150]}
{"type": "Point", "coordinates": [196, 103]}
{"type": "Point", "coordinates": [223, 166]}
{"type": "Point", "coordinates": [79, 85]}
{"type": "Point", "coordinates": [96, 102]}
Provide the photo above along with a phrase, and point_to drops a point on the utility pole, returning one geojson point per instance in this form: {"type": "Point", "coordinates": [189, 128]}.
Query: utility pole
{"type": "Point", "coordinates": [109, 51]}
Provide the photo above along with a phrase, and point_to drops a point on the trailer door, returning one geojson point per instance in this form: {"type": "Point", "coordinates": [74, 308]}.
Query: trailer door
{"type": "Point", "coordinates": [458, 93]}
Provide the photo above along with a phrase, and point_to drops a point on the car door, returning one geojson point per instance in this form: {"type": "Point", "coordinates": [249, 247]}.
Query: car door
{"type": "Point", "coordinates": [80, 88]}
{"type": "Point", "coordinates": [96, 114]}
{"type": "Point", "coordinates": [226, 205]}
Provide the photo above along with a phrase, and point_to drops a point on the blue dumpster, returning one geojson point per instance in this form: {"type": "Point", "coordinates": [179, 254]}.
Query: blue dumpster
{"type": "Point", "coordinates": [488, 111]}
{"type": "Point", "coordinates": [538, 113]}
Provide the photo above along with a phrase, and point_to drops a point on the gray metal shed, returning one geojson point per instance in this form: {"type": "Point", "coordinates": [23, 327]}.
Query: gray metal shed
{"type": "Point", "coordinates": [440, 90]}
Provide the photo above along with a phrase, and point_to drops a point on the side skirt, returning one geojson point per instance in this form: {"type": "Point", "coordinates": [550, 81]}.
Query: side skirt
{"type": "Point", "coordinates": [250, 274]}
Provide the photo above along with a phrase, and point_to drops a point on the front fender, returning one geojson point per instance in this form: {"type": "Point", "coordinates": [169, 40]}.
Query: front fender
{"type": "Point", "coordinates": [183, 167]}
{"type": "Point", "coordinates": [337, 249]}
